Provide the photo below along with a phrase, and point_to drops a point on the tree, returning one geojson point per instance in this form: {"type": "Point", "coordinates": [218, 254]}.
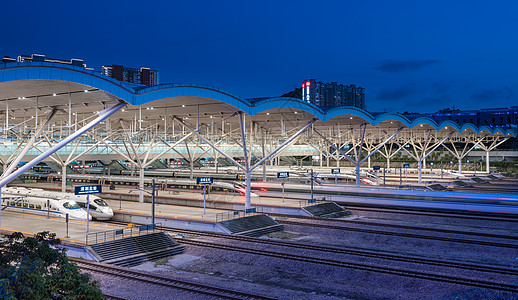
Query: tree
{"type": "Point", "coordinates": [34, 268]}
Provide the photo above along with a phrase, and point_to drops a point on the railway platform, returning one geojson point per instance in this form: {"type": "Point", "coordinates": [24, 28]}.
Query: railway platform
{"type": "Point", "coordinates": [73, 236]}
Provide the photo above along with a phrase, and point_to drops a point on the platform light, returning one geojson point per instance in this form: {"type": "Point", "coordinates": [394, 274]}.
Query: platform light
{"type": "Point", "coordinates": [183, 105]}
{"type": "Point", "coordinates": [123, 109]}
{"type": "Point", "coordinates": [211, 117]}
{"type": "Point", "coordinates": [19, 98]}
{"type": "Point", "coordinates": [296, 112]}
{"type": "Point", "coordinates": [54, 95]}
{"type": "Point", "coordinates": [86, 91]}
{"type": "Point", "coordinates": [421, 125]}
{"type": "Point", "coordinates": [267, 114]}
{"type": "Point", "coordinates": [23, 98]}
{"type": "Point", "coordinates": [351, 118]}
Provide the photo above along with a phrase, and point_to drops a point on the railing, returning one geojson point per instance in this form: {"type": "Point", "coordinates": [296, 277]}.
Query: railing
{"type": "Point", "coordinates": [111, 235]}
{"type": "Point", "coordinates": [223, 216]}
{"type": "Point", "coordinates": [315, 201]}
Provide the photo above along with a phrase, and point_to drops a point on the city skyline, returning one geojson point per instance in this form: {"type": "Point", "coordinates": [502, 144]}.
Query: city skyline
{"type": "Point", "coordinates": [408, 56]}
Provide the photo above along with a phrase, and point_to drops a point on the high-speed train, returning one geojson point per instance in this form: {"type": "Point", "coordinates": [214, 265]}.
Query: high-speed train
{"type": "Point", "coordinates": [58, 201]}
{"type": "Point", "coordinates": [178, 183]}
{"type": "Point", "coordinates": [386, 197]}
{"type": "Point", "coordinates": [21, 200]}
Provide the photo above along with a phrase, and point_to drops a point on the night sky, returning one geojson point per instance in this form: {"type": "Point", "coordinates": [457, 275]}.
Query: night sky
{"type": "Point", "coordinates": [409, 56]}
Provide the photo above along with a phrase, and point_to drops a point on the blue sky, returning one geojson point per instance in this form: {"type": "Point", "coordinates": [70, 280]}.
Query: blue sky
{"type": "Point", "coordinates": [408, 55]}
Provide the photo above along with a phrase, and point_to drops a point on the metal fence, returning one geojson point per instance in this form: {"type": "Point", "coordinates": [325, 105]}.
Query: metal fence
{"type": "Point", "coordinates": [111, 235]}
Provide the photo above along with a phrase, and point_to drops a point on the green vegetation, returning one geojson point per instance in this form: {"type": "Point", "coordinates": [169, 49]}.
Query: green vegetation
{"type": "Point", "coordinates": [34, 268]}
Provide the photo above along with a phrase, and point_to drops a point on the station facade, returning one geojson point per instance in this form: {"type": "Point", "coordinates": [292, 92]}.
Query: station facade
{"type": "Point", "coordinates": [61, 113]}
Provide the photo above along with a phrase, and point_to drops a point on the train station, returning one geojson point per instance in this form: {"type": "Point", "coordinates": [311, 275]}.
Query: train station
{"type": "Point", "coordinates": [194, 157]}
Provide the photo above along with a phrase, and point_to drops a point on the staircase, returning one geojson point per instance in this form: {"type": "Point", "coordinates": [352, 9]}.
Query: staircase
{"type": "Point", "coordinates": [132, 251]}
{"type": "Point", "coordinates": [253, 226]}
{"type": "Point", "coordinates": [327, 210]}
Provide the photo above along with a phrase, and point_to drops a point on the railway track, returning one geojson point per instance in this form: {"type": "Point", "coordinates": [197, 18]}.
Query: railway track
{"type": "Point", "coordinates": [355, 222]}
{"type": "Point", "coordinates": [361, 266]}
{"type": "Point", "coordinates": [112, 270]}
{"type": "Point", "coordinates": [364, 253]}
{"type": "Point", "coordinates": [458, 215]}
{"type": "Point", "coordinates": [410, 235]}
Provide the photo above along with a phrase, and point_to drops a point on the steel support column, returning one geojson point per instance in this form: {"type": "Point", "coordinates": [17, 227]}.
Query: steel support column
{"type": "Point", "coordinates": [102, 116]}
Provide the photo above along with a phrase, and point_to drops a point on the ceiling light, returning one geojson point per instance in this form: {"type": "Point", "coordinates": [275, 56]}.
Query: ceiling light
{"type": "Point", "coordinates": [86, 91]}
{"type": "Point", "coordinates": [19, 98]}
{"type": "Point", "coordinates": [211, 117]}
{"type": "Point", "coordinates": [267, 114]}
{"type": "Point", "coordinates": [183, 105]}
{"type": "Point", "coordinates": [351, 118]}
{"type": "Point", "coordinates": [295, 112]}
{"type": "Point", "coordinates": [54, 95]}
{"type": "Point", "coordinates": [23, 98]}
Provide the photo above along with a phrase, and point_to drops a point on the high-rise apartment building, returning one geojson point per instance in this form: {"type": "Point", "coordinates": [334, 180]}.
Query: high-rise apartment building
{"type": "Point", "coordinates": [133, 75]}
{"type": "Point", "coordinates": [332, 94]}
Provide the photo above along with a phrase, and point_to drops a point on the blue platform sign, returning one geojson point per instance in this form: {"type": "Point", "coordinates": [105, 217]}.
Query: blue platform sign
{"type": "Point", "coordinates": [406, 166]}
{"type": "Point", "coordinates": [88, 189]}
{"type": "Point", "coordinates": [431, 164]}
{"type": "Point", "coordinates": [376, 168]}
{"type": "Point", "coordinates": [283, 174]}
{"type": "Point", "coordinates": [204, 180]}
{"type": "Point", "coordinates": [335, 171]}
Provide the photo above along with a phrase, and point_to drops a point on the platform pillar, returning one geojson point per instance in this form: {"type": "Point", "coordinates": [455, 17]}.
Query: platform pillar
{"type": "Point", "coordinates": [460, 165]}
{"type": "Point", "coordinates": [419, 170]}
{"type": "Point", "coordinates": [64, 178]}
{"type": "Point", "coordinates": [248, 203]}
{"type": "Point", "coordinates": [487, 162]}
{"type": "Point", "coordinates": [141, 185]}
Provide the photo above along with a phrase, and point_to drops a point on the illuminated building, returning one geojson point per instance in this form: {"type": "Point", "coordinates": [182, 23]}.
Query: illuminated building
{"type": "Point", "coordinates": [133, 75]}
{"type": "Point", "coordinates": [332, 94]}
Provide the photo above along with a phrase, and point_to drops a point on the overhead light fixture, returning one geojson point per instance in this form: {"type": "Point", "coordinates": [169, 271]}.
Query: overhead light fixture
{"type": "Point", "coordinates": [54, 95]}
{"type": "Point", "coordinates": [183, 105]}
{"type": "Point", "coordinates": [86, 91]}
{"type": "Point", "coordinates": [267, 114]}
{"type": "Point", "coordinates": [23, 98]}
{"type": "Point", "coordinates": [211, 117]}
{"type": "Point", "coordinates": [19, 98]}
{"type": "Point", "coordinates": [351, 118]}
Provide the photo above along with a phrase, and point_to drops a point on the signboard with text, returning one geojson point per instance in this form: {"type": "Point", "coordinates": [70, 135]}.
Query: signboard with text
{"type": "Point", "coordinates": [204, 180]}
{"type": "Point", "coordinates": [283, 174]}
{"type": "Point", "coordinates": [406, 166]}
{"type": "Point", "coordinates": [335, 171]}
{"type": "Point", "coordinates": [88, 189]}
{"type": "Point", "coordinates": [376, 168]}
